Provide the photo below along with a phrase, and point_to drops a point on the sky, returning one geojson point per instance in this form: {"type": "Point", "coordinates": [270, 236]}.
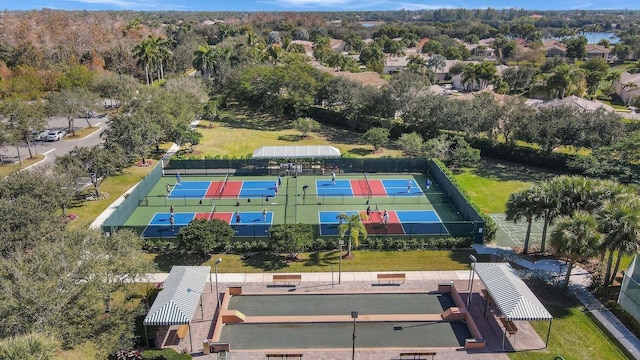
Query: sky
{"type": "Point", "coordinates": [313, 5]}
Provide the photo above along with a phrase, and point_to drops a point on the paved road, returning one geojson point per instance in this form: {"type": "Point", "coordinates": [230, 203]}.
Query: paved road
{"type": "Point", "coordinates": [54, 149]}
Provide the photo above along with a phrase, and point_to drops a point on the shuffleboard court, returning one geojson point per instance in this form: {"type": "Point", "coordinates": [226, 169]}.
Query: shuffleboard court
{"type": "Point", "coordinates": [338, 335]}
{"type": "Point", "coordinates": [338, 304]}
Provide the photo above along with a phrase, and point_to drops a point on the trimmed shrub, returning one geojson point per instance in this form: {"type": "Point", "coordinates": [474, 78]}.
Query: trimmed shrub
{"type": "Point", "coordinates": [164, 354]}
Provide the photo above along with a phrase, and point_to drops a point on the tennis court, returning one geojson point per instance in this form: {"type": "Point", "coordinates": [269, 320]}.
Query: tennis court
{"type": "Point", "coordinates": [308, 199]}
{"type": "Point", "coordinates": [223, 189]}
{"type": "Point", "coordinates": [368, 187]}
{"type": "Point", "coordinates": [397, 222]}
{"type": "Point", "coordinates": [245, 223]}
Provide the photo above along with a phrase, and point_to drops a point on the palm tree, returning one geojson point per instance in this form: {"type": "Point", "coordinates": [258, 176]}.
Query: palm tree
{"type": "Point", "coordinates": [523, 205]}
{"type": "Point", "coordinates": [416, 64]}
{"type": "Point", "coordinates": [575, 237]}
{"type": "Point", "coordinates": [352, 224]}
{"type": "Point", "coordinates": [620, 223]}
{"type": "Point", "coordinates": [204, 59]}
{"type": "Point", "coordinates": [163, 50]}
{"type": "Point", "coordinates": [548, 207]}
{"type": "Point", "coordinates": [146, 52]}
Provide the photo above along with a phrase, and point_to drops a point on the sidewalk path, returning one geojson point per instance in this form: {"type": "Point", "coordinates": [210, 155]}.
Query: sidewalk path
{"type": "Point", "coordinates": [579, 285]}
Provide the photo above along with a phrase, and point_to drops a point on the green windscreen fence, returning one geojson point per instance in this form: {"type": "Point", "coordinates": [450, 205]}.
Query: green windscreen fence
{"type": "Point", "coordinates": [133, 199]}
{"type": "Point", "coordinates": [277, 166]}
{"type": "Point", "coordinates": [459, 201]}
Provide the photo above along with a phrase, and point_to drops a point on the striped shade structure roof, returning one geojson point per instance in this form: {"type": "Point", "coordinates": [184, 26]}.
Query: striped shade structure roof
{"type": "Point", "coordinates": [178, 300]}
{"type": "Point", "coordinates": [512, 296]}
{"type": "Point", "coordinates": [296, 152]}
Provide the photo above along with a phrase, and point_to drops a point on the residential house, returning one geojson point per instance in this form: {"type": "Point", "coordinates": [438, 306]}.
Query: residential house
{"type": "Point", "coordinates": [554, 48]}
{"type": "Point", "coordinates": [597, 51]}
{"type": "Point", "coordinates": [399, 63]}
{"type": "Point", "coordinates": [481, 51]}
{"type": "Point", "coordinates": [628, 86]}
{"type": "Point", "coordinates": [577, 102]}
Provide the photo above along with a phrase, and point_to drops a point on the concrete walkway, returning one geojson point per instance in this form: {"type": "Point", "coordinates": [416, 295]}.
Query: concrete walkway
{"type": "Point", "coordinates": [579, 283]}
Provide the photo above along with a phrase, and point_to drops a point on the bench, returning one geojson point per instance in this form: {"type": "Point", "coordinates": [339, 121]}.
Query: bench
{"type": "Point", "coordinates": [286, 279]}
{"type": "Point", "coordinates": [391, 277]}
{"type": "Point", "coordinates": [182, 332]}
{"type": "Point", "coordinates": [418, 355]}
{"type": "Point", "coordinates": [284, 356]}
{"type": "Point", "coordinates": [509, 326]}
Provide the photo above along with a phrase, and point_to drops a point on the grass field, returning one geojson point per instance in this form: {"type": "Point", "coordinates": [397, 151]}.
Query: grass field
{"type": "Point", "coordinates": [490, 184]}
{"type": "Point", "coordinates": [258, 130]}
{"type": "Point", "coordinates": [574, 336]}
{"type": "Point", "coordinates": [418, 260]}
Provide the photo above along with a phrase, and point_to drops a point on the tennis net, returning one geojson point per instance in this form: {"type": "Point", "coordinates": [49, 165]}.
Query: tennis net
{"type": "Point", "coordinates": [213, 210]}
{"type": "Point", "coordinates": [366, 180]}
{"type": "Point", "coordinates": [224, 183]}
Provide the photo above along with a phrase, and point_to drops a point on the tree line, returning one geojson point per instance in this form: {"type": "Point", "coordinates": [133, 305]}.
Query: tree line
{"type": "Point", "coordinates": [590, 217]}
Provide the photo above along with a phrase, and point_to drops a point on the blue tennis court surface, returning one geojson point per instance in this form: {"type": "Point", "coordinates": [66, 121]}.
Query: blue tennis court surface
{"type": "Point", "coordinates": [401, 187]}
{"type": "Point", "coordinates": [255, 189]}
{"type": "Point", "coordinates": [251, 223]}
{"type": "Point", "coordinates": [190, 189]}
{"type": "Point", "coordinates": [401, 222]}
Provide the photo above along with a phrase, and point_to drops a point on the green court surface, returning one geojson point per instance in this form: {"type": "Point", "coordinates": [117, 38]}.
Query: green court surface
{"type": "Point", "coordinates": [339, 335]}
{"type": "Point", "coordinates": [512, 234]}
{"type": "Point", "coordinates": [292, 204]}
{"type": "Point", "coordinates": [337, 304]}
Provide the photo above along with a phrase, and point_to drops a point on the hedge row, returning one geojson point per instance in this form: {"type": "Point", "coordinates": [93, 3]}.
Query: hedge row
{"type": "Point", "coordinates": [320, 244]}
{"type": "Point", "coordinates": [165, 354]}
{"type": "Point", "coordinates": [521, 154]}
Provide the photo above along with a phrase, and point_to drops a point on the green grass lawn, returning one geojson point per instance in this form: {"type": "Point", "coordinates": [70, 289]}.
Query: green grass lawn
{"type": "Point", "coordinates": [419, 260]}
{"type": "Point", "coordinates": [256, 130]}
{"type": "Point", "coordinates": [8, 168]}
{"type": "Point", "coordinates": [490, 184]}
{"type": "Point", "coordinates": [574, 336]}
{"type": "Point", "coordinates": [115, 186]}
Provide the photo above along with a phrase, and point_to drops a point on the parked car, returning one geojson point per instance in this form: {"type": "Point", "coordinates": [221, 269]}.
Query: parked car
{"type": "Point", "coordinates": [39, 135]}
{"type": "Point", "coordinates": [56, 135]}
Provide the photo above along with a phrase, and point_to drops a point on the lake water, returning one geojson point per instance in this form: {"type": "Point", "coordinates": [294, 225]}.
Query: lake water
{"type": "Point", "coordinates": [595, 37]}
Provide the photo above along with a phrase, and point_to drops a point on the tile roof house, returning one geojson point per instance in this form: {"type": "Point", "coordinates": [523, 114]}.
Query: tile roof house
{"type": "Point", "coordinates": [628, 86]}
{"type": "Point", "coordinates": [553, 48]}
{"type": "Point", "coordinates": [597, 51]}
{"type": "Point", "coordinates": [577, 102]}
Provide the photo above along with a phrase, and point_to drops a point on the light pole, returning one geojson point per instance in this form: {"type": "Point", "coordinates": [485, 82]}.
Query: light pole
{"type": "Point", "coordinates": [341, 243]}
{"type": "Point", "coordinates": [218, 261]}
{"type": "Point", "coordinates": [473, 273]}
{"type": "Point", "coordinates": [354, 316]}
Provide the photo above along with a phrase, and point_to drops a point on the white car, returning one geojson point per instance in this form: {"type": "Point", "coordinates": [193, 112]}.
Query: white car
{"type": "Point", "coordinates": [56, 135]}
{"type": "Point", "coordinates": [40, 135]}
